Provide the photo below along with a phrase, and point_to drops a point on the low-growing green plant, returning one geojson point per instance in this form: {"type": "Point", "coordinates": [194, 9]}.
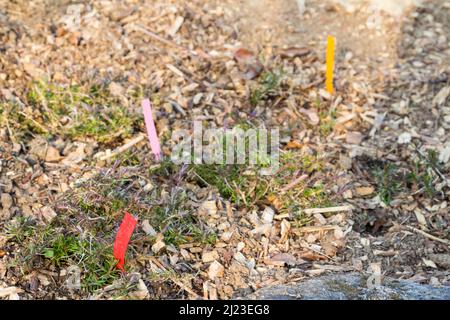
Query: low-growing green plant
{"type": "Point", "coordinates": [62, 247]}
{"type": "Point", "coordinates": [75, 111]}
{"type": "Point", "coordinates": [20, 229]}
{"type": "Point", "coordinates": [423, 172]}
{"type": "Point", "coordinates": [388, 182]}
{"type": "Point", "coordinates": [267, 86]}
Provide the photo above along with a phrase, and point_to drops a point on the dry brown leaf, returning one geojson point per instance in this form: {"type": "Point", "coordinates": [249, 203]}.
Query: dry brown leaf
{"type": "Point", "coordinates": [276, 203]}
{"type": "Point", "coordinates": [248, 63]}
{"type": "Point", "coordinates": [294, 144]}
{"type": "Point", "coordinates": [312, 256]}
{"type": "Point", "coordinates": [293, 52]}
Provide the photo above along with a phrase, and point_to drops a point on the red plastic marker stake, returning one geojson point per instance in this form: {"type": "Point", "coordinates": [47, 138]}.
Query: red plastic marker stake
{"type": "Point", "coordinates": [122, 239]}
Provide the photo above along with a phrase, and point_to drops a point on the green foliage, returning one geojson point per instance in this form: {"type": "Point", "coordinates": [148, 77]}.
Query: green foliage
{"type": "Point", "coordinates": [388, 182]}
{"type": "Point", "coordinates": [74, 111]}
{"type": "Point", "coordinates": [423, 173]}
{"type": "Point", "coordinates": [20, 229]}
{"type": "Point", "coordinates": [62, 248]}
{"type": "Point", "coordinates": [224, 177]}
{"type": "Point", "coordinates": [268, 85]}
{"type": "Point", "coordinates": [96, 260]}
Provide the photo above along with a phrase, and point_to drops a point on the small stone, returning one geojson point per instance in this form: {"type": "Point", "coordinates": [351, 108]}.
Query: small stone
{"type": "Point", "coordinates": [348, 194]}
{"type": "Point", "coordinates": [58, 77]}
{"type": "Point", "coordinates": [401, 107]}
{"type": "Point", "coordinates": [3, 240]}
{"type": "Point", "coordinates": [420, 217]}
{"type": "Point", "coordinates": [338, 233]}
{"type": "Point", "coordinates": [262, 229]}
{"type": "Point", "coordinates": [311, 115]}
{"type": "Point", "coordinates": [441, 97]}
{"type": "Point", "coordinates": [345, 162]}
{"type": "Point", "coordinates": [447, 119]}
{"type": "Point", "coordinates": [240, 246]}
{"type": "Point", "coordinates": [2, 270]}
{"type": "Point", "coordinates": [159, 244]}
{"type": "Point", "coordinates": [441, 259]}
{"type": "Point", "coordinates": [148, 229]}
{"type": "Point", "coordinates": [319, 219]}
{"type": "Point", "coordinates": [223, 226]}
{"type": "Point", "coordinates": [208, 208]}
{"type": "Point", "coordinates": [116, 89]}
{"type": "Point", "coordinates": [239, 257]}
{"type": "Point", "coordinates": [429, 263]}
{"type": "Point", "coordinates": [197, 98]}
{"type": "Point", "coordinates": [365, 242]}
{"type": "Point", "coordinates": [74, 38]}
{"type": "Point", "coordinates": [267, 215]}
{"type": "Point", "coordinates": [185, 254]}
{"type": "Point", "coordinates": [311, 238]}
{"type": "Point", "coordinates": [52, 154]}
{"type": "Point", "coordinates": [5, 292]}
{"type": "Point", "coordinates": [6, 200]}
{"type": "Point", "coordinates": [226, 236]}
{"type": "Point", "coordinates": [434, 282]}
{"type": "Point", "coordinates": [444, 156]}
{"type": "Point", "coordinates": [210, 256]}
{"type": "Point", "coordinates": [38, 147]}
{"type": "Point", "coordinates": [149, 187]}
{"type": "Point", "coordinates": [32, 70]}
{"type": "Point", "coordinates": [404, 138]}
{"type": "Point", "coordinates": [364, 191]}
{"type": "Point", "coordinates": [43, 280]}
{"type": "Point", "coordinates": [48, 213]}
{"type": "Point", "coordinates": [76, 156]}
{"type": "Point", "coordinates": [215, 270]}
{"type": "Point", "coordinates": [142, 291]}
{"type": "Point", "coordinates": [353, 137]}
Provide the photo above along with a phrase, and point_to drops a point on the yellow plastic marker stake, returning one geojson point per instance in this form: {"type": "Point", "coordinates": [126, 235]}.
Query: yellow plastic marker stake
{"type": "Point", "coordinates": [330, 64]}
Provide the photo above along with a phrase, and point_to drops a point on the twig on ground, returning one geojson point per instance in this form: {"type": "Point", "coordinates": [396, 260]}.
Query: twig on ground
{"type": "Point", "coordinates": [123, 148]}
{"type": "Point", "coordinates": [317, 251]}
{"type": "Point", "coordinates": [34, 121]}
{"type": "Point", "coordinates": [294, 183]}
{"type": "Point", "coordinates": [425, 234]}
{"type": "Point", "coordinates": [242, 194]}
{"type": "Point", "coordinates": [325, 210]}
{"type": "Point", "coordinates": [314, 229]}
{"type": "Point", "coordinates": [177, 107]}
{"type": "Point", "coordinates": [155, 36]}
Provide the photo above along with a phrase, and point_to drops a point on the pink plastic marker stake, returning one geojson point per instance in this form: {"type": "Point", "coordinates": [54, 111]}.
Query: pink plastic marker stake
{"type": "Point", "coordinates": [151, 130]}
